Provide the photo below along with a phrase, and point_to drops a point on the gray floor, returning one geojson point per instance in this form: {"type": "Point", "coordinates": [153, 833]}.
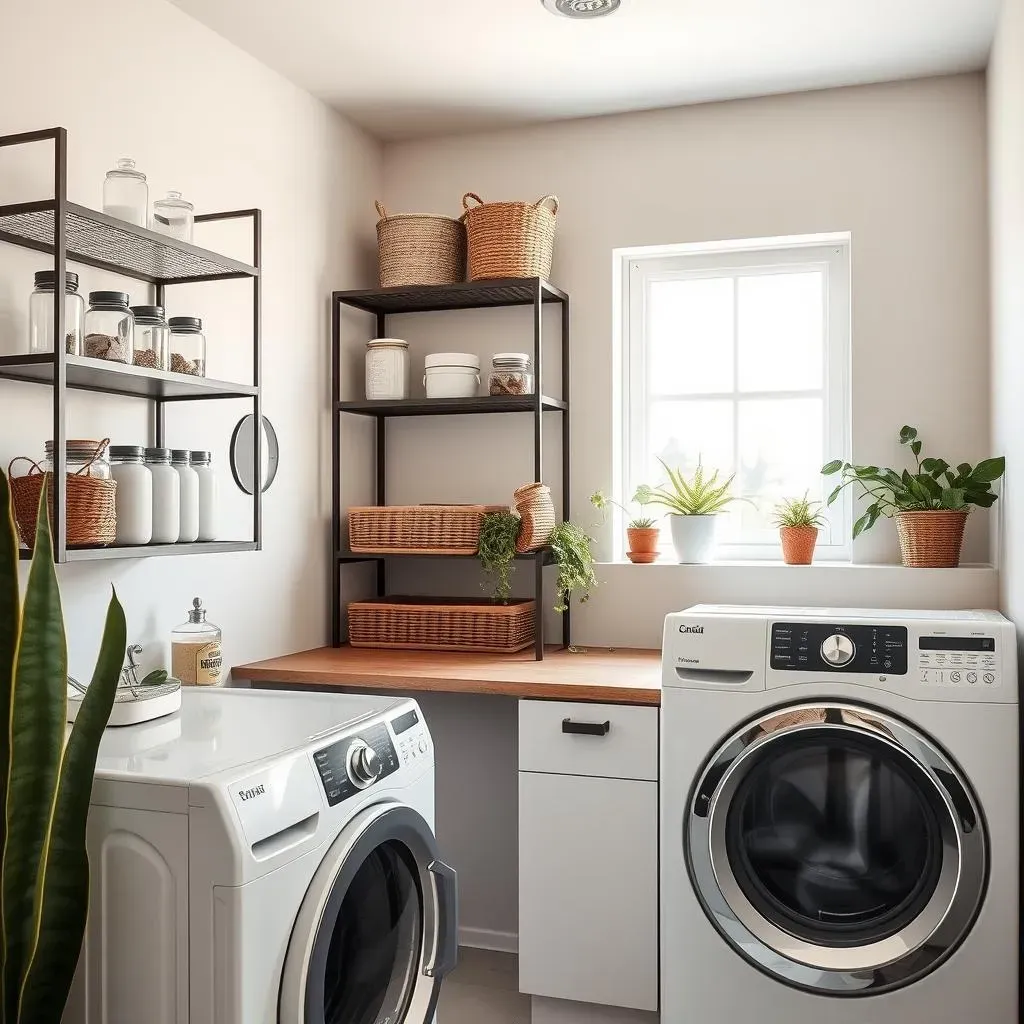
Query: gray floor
{"type": "Point", "coordinates": [483, 989]}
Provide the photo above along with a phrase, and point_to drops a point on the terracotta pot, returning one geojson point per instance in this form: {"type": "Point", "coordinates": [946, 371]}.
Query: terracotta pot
{"type": "Point", "coordinates": [931, 539]}
{"type": "Point", "coordinates": [798, 544]}
{"type": "Point", "coordinates": [643, 545]}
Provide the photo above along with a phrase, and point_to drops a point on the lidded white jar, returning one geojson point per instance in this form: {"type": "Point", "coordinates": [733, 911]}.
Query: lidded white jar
{"type": "Point", "coordinates": [133, 499]}
{"type": "Point", "coordinates": [200, 462]}
{"type": "Point", "coordinates": [451, 375]}
{"type": "Point", "coordinates": [166, 496]}
{"type": "Point", "coordinates": [188, 492]}
{"type": "Point", "coordinates": [387, 369]}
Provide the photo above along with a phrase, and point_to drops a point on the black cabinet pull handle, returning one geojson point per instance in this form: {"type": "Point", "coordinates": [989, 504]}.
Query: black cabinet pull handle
{"type": "Point", "coordinates": [585, 728]}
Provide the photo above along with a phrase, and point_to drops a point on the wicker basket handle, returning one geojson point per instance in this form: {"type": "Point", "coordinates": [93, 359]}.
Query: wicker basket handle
{"type": "Point", "coordinates": [381, 212]}
{"type": "Point", "coordinates": [101, 447]}
{"type": "Point", "coordinates": [23, 458]}
{"type": "Point", "coordinates": [471, 195]}
{"type": "Point", "coordinates": [552, 199]}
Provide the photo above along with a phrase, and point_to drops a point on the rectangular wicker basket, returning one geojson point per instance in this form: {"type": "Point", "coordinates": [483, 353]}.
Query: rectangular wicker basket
{"type": "Point", "coordinates": [416, 529]}
{"type": "Point", "coordinates": [442, 624]}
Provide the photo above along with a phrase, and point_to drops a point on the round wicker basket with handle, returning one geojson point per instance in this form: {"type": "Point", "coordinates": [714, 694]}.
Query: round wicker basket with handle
{"type": "Point", "coordinates": [931, 539]}
{"type": "Point", "coordinates": [536, 517]}
{"type": "Point", "coordinates": [510, 239]}
{"type": "Point", "coordinates": [90, 519]}
{"type": "Point", "coordinates": [420, 249]}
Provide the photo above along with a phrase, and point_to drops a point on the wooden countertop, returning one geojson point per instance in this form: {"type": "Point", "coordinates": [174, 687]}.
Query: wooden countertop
{"type": "Point", "coordinates": [585, 674]}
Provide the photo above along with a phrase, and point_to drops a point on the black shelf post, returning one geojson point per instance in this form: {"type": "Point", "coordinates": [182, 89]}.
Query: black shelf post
{"type": "Point", "coordinates": [532, 292]}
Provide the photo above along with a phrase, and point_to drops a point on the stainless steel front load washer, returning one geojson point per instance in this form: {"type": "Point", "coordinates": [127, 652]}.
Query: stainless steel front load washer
{"type": "Point", "coordinates": [839, 816]}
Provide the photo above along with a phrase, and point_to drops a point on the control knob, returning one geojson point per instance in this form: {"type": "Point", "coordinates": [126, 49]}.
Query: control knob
{"type": "Point", "coordinates": [364, 765]}
{"type": "Point", "coordinates": [838, 650]}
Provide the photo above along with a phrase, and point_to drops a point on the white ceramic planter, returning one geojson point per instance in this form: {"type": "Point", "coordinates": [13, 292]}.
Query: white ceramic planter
{"type": "Point", "coordinates": [693, 537]}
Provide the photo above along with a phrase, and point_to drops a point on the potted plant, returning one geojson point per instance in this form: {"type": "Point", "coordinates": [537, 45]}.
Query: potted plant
{"type": "Point", "coordinates": [641, 532]}
{"type": "Point", "coordinates": [694, 505]}
{"type": "Point", "coordinates": [798, 520]}
{"type": "Point", "coordinates": [46, 781]}
{"type": "Point", "coordinates": [930, 505]}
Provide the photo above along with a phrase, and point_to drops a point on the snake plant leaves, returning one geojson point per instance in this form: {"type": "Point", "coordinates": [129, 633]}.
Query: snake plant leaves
{"type": "Point", "coordinates": [10, 613]}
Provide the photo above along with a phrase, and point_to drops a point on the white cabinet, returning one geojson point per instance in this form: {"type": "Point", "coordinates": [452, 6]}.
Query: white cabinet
{"type": "Point", "coordinates": [588, 855]}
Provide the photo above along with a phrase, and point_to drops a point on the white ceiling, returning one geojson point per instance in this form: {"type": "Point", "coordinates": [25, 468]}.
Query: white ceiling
{"type": "Point", "coordinates": [405, 68]}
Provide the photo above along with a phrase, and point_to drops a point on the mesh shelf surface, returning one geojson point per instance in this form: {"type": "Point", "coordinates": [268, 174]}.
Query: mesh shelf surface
{"type": "Point", "coordinates": [510, 291]}
{"type": "Point", "coordinates": [101, 241]}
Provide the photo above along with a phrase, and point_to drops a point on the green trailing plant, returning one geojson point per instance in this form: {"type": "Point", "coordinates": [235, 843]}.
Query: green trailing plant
{"type": "Point", "coordinates": [798, 512]}
{"type": "Point", "coordinates": [702, 494]}
{"type": "Point", "coordinates": [44, 896]}
{"type": "Point", "coordinates": [498, 534]}
{"type": "Point", "coordinates": [571, 548]}
{"type": "Point", "coordinates": [935, 485]}
{"type": "Point", "coordinates": [642, 496]}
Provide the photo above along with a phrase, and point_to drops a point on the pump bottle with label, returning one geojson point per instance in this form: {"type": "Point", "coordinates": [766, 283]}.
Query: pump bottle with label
{"type": "Point", "coordinates": [196, 649]}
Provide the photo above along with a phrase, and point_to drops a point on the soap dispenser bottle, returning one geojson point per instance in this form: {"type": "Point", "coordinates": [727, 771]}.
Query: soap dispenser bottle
{"type": "Point", "coordinates": [196, 649]}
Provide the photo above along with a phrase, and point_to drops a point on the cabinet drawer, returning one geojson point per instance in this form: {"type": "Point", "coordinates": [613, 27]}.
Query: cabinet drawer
{"type": "Point", "coordinates": [588, 889]}
{"type": "Point", "coordinates": [628, 750]}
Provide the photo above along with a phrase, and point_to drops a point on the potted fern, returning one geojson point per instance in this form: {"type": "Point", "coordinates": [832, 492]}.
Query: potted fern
{"type": "Point", "coordinates": [641, 531]}
{"type": "Point", "coordinates": [694, 505]}
{"type": "Point", "coordinates": [798, 520]}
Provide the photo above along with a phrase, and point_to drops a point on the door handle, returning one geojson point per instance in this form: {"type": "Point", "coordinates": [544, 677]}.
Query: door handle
{"type": "Point", "coordinates": [446, 938]}
{"type": "Point", "coordinates": [585, 728]}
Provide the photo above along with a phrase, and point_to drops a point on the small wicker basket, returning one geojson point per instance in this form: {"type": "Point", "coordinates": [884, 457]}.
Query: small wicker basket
{"type": "Point", "coordinates": [442, 624]}
{"type": "Point", "coordinates": [90, 519]}
{"type": "Point", "coordinates": [931, 539]}
{"type": "Point", "coordinates": [536, 517]}
{"type": "Point", "coordinates": [420, 249]}
{"type": "Point", "coordinates": [510, 239]}
{"type": "Point", "coordinates": [416, 529]}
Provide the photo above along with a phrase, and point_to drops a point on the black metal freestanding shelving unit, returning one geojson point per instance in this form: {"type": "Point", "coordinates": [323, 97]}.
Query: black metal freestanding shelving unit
{"type": "Point", "coordinates": [72, 233]}
{"type": "Point", "coordinates": [534, 292]}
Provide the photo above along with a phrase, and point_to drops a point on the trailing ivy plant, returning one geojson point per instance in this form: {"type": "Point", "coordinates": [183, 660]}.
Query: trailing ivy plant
{"type": "Point", "coordinates": [936, 485]}
{"type": "Point", "coordinates": [498, 534]}
{"type": "Point", "coordinates": [571, 548]}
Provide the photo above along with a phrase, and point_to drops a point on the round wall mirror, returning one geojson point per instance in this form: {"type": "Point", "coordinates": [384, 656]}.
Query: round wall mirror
{"type": "Point", "coordinates": [242, 440]}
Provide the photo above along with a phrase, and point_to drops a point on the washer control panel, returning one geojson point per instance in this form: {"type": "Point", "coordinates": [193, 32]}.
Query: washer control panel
{"type": "Point", "coordinates": [839, 647]}
{"type": "Point", "coordinates": [964, 661]}
{"type": "Point", "coordinates": [356, 762]}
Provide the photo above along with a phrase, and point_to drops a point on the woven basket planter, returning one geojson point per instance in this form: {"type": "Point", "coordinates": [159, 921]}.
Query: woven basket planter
{"type": "Point", "coordinates": [416, 529]}
{"type": "Point", "coordinates": [420, 249]}
{"type": "Point", "coordinates": [510, 239]}
{"type": "Point", "coordinates": [442, 624]}
{"type": "Point", "coordinates": [536, 517]}
{"type": "Point", "coordinates": [931, 539]}
{"type": "Point", "coordinates": [798, 544]}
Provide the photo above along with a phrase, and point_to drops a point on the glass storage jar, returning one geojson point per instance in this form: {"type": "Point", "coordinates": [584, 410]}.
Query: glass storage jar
{"type": "Point", "coordinates": [166, 496]}
{"type": "Point", "coordinates": [173, 216]}
{"type": "Point", "coordinates": [41, 318]}
{"type": "Point", "coordinates": [200, 462]}
{"type": "Point", "coordinates": [125, 193]}
{"type": "Point", "coordinates": [387, 369]}
{"type": "Point", "coordinates": [152, 337]}
{"type": "Point", "coordinates": [510, 374]}
{"type": "Point", "coordinates": [109, 327]}
{"type": "Point", "coordinates": [188, 496]}
{"type": "Point", "coordinates": [188, 345]}
{"type": "Point", "coordinates": [133, 499]}
{"type": "Point", "coordinates": [196, 657]}
{"type": "Point", "coordinates": [81, 458]}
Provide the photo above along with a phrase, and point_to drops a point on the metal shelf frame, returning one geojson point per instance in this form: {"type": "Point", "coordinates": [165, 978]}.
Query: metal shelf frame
{"type": "Point", "coordinates": [534, 292]}
{"type": "Point", "coordinates": [74, 234]}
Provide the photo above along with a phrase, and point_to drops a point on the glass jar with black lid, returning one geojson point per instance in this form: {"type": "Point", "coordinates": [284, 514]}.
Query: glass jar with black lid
{"type": "Point", "coordinates": [109, 327]}
{"type": "Point", "coordinates": [152, 336]}
{"type": "Point", "coordinates": [41, 320]}
{"type": "Point", "coordinates": [188, 346]}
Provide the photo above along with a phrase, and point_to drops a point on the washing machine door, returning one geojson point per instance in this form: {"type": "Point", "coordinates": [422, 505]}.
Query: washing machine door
{"type": "Point", "coordinates": [836, 848]}
{"type": "Point", "coordinates": [377, 930]}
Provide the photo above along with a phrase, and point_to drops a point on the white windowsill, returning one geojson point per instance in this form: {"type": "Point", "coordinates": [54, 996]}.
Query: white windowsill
{"type": "Point", "coordinates": [772, 564]}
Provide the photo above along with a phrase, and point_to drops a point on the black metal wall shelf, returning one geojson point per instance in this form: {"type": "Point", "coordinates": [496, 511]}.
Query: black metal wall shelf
{"type": "Point", "coordinates": [535, 292]}
{"type": "Point", "coordinates": [72, 233]}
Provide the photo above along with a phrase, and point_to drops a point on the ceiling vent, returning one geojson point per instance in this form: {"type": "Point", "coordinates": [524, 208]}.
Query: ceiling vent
{"type": "Point", "coordinates": [582, 8]}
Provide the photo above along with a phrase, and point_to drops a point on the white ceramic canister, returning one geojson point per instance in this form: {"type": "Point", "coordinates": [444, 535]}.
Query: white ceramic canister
{"type": "Point", "coordinates": [133, 499]}
{"type": "Point", "coordinates": [452, 375]}
{"type": "Point", "coordinates": [387, 369]}
{"type": "Point", "coordinates": [188, 493]}
{"type": "Point", "coordinates": [166, 496]}
{"type": "Point", "coordinates": [207, 495]}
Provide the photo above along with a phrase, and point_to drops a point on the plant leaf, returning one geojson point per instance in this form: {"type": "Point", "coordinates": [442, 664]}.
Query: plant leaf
{"type": "Point", "coordinates": [64, 900]}
{"type": "Point", "coordinates": [10, 616]}
{"type": "Point", "coordinates": [915, 447]}
{"type": "Point", "coordinates": [964, 469]}
{"type": "Point", "coordinates": [989, 470]}
{"type": "Point", "coordinates": [983, 500]}
{"type": "Point", "coordinates": [835, 494]}
{"type": "Point", "coordinates": [37, 723]}
{"type": "Point", "coordinates": [861, 525]}
{"type": "Point", "coordinates": [832, 467]}
{"type": "Point", "coordinates": [907, 434]}
{"type": "Point", "coordinates": [952, 498]}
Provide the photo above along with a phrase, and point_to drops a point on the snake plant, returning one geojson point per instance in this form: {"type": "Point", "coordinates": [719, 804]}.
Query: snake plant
{"type": "Point", "coordinates": [702, 494]}
{"type": "Point", "coordinates": [45, 782]}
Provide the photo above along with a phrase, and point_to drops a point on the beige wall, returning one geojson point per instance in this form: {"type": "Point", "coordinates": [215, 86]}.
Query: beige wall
{"type": "Point", "coordinates": [140, 78]}
{"type": "Point", "coordinates": [1006, 139]}
{"type": "Point", "coordinates": [901, 166]}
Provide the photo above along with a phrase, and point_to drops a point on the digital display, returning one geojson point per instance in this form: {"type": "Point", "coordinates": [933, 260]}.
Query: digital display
{"type": "Point", "coordinates": [403, 723]}
{"type": "Point", "coordinates": [957, 643]}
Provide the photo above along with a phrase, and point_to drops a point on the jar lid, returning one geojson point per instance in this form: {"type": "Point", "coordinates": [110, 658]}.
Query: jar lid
{"type": "Point", "coordinates": [148, 314]}
{"type": "Point", "coordinates": [127, 452]}
{"type": "Point", "coordinates": [158, 454]}
{"type": "Point", "coordinates": [180, 456]}
{"type": "Point", "coordinates": [200, 458]}
{"type": "Point", "coordinates": [108, 300]}
{"type": "Point", "coordinates": [387, 343]}
{"type": "Point", "coordinates": [126, 169]}
{"type": "Point", "coordinates": [78, 446]}
{"type": "Point", "coordinates": [174, 199]}
{"type": "Point", "coordinates": [198, 612]}
{"type": "Point", "coordinates": [186, 324]}
{"type": "Point", "coordinates": [46, 279]}
{"type": "Point", "coordinates": [511, 359]}
{"type": "Point", "coordinates": [466, 359]}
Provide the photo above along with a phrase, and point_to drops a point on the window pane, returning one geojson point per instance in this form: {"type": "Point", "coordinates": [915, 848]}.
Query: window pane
{"type": "Point", "coordinates": [690, 325]}
{"type": "Point", "coordinates": [683, 432]}
{"type": "Point", "coordinates": [781, 332]}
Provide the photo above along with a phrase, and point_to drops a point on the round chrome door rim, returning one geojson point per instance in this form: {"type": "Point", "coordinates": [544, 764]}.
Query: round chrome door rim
{"type": "Point", "coordinates": [888, 963]}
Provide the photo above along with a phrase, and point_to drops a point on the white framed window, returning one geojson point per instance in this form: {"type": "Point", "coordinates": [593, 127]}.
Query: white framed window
{"type": "Point", "coordinates": [737, 354]}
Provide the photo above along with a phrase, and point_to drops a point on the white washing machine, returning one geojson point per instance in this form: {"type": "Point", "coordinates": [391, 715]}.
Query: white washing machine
{"type": "Point", "coordinates": [267, 858]}
{"type": "Point", "coordinates": [839, 819]}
